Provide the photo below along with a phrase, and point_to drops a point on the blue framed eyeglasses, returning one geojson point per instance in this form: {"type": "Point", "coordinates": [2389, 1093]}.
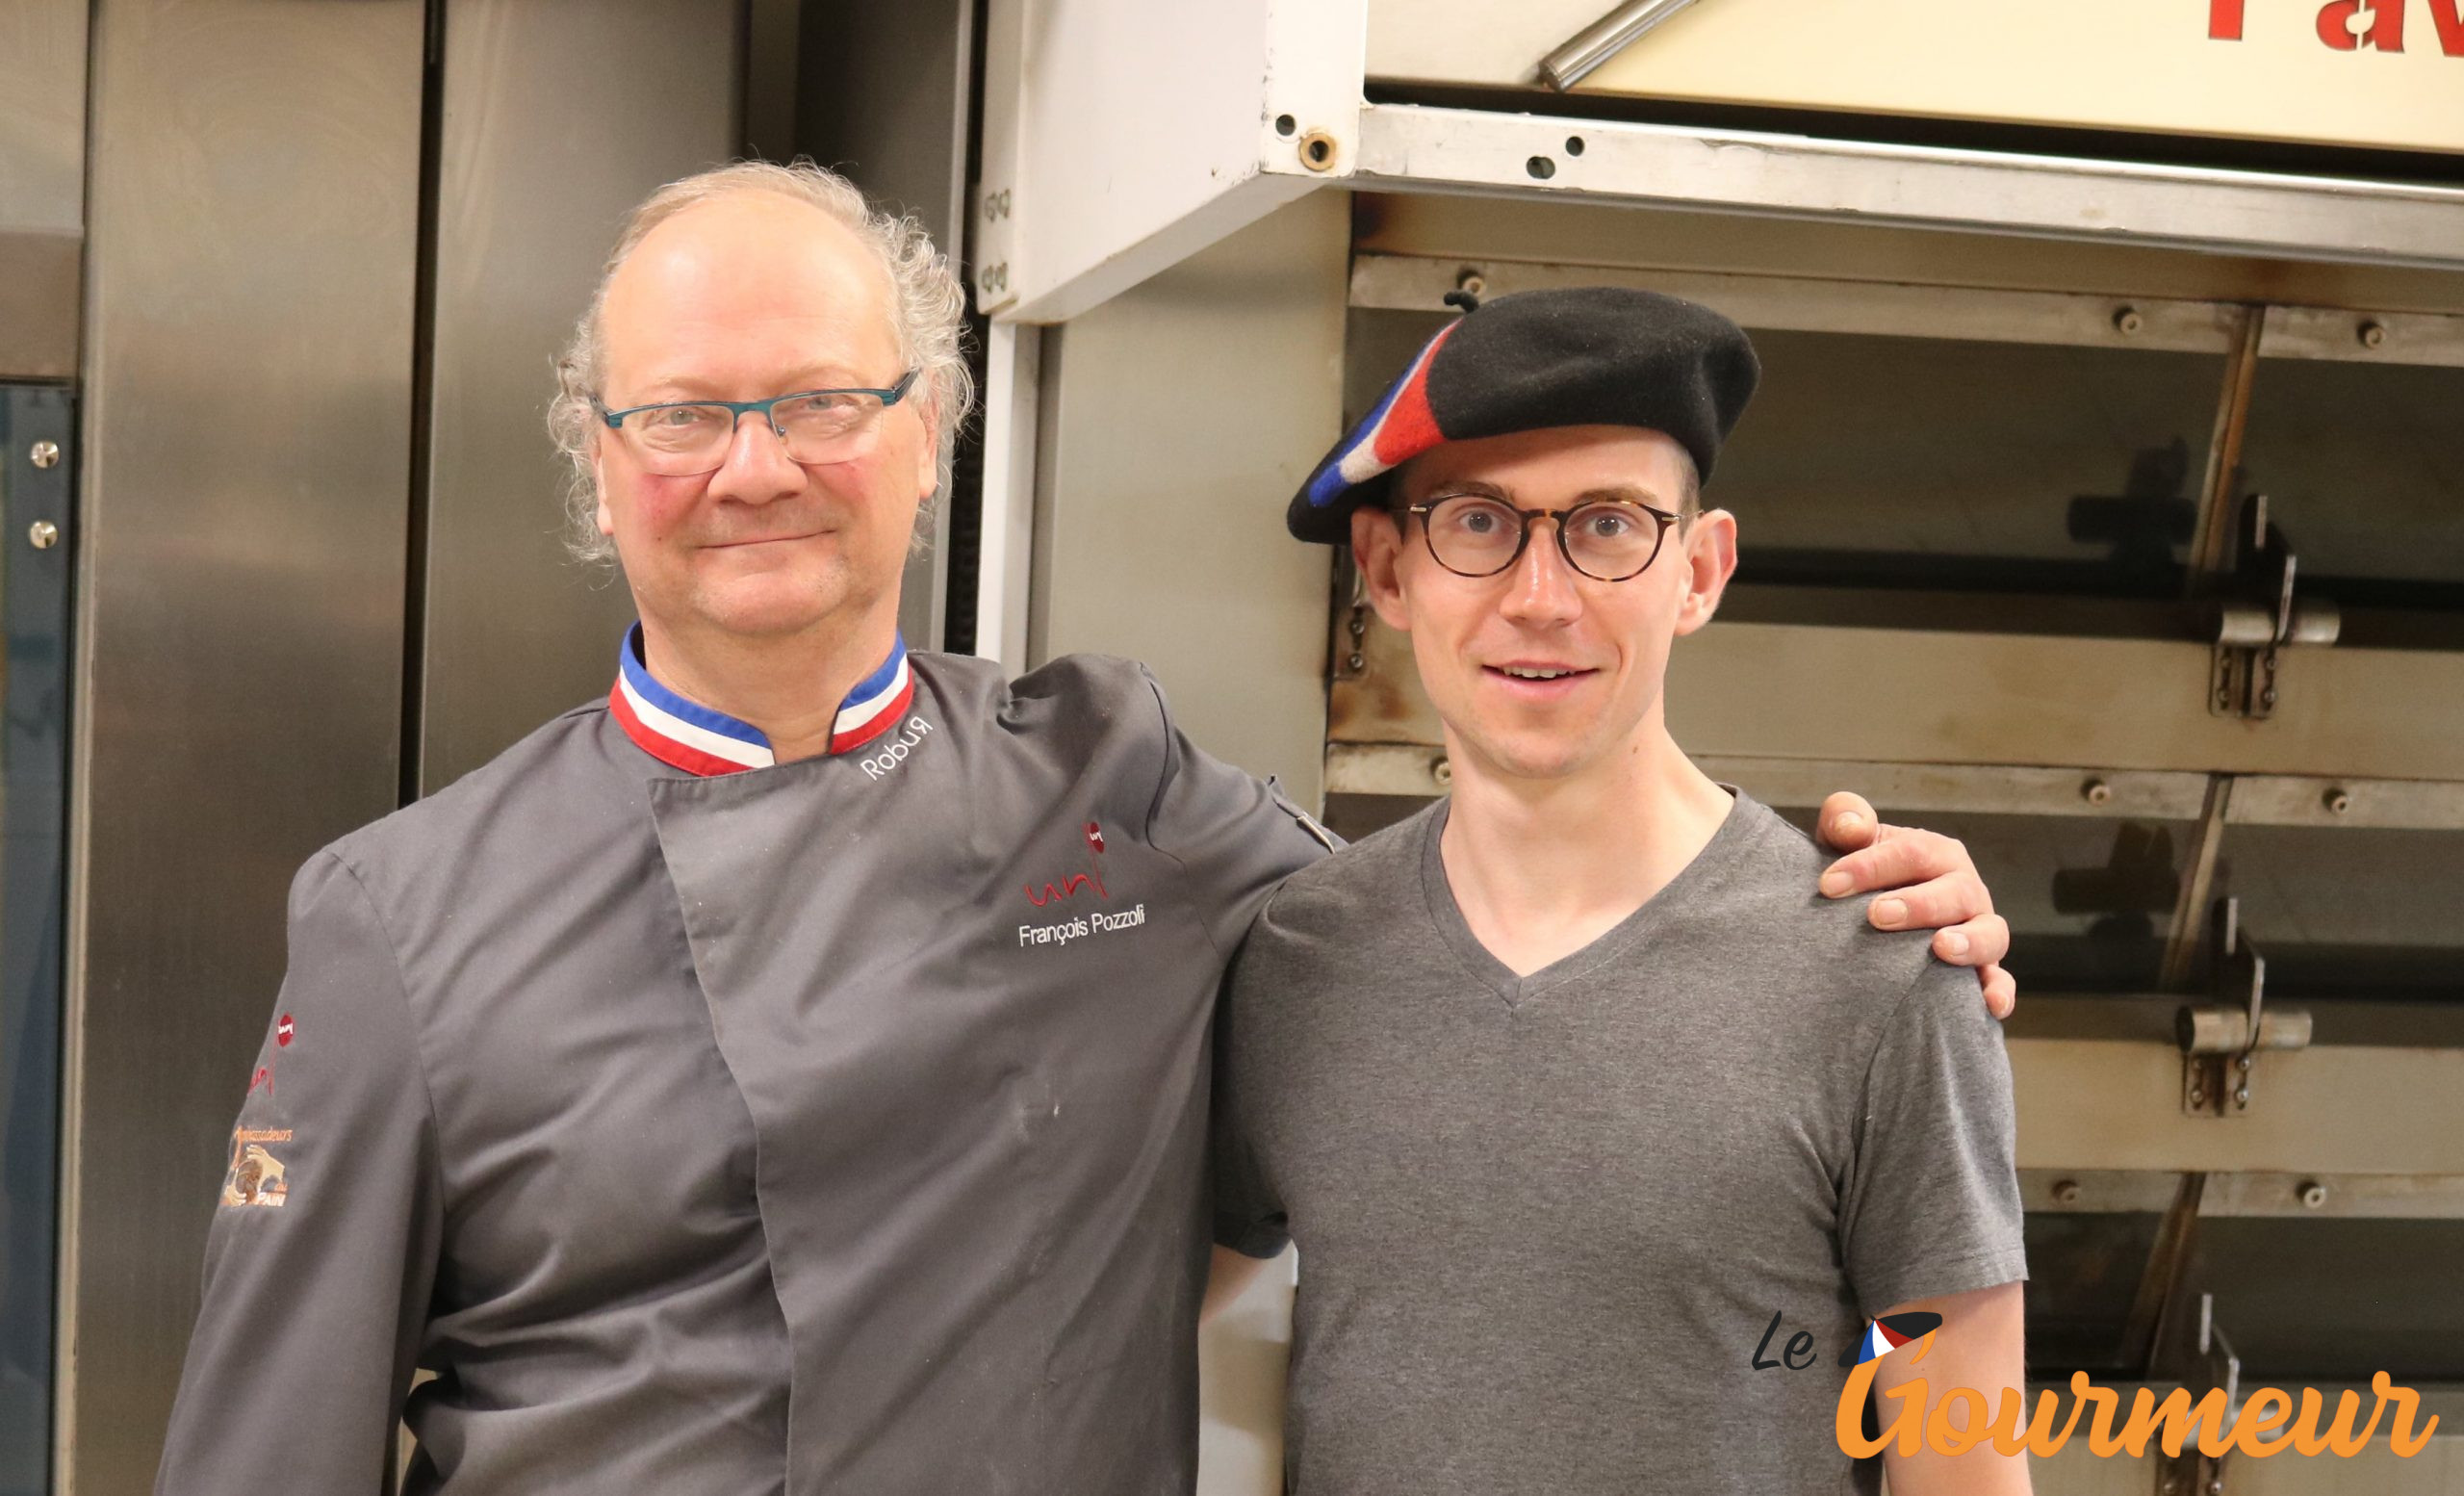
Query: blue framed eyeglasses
{"type": "Point", "coordinates": [679, 438]}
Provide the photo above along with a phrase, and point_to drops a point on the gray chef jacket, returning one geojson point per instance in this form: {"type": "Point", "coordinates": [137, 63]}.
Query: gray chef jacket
{"type": "Point", "coordinates": [830, 1127]}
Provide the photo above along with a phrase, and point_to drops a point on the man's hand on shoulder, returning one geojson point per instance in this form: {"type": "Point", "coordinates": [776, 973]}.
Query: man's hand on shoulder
{"type": "Point", "coordinates": [1928, 880]}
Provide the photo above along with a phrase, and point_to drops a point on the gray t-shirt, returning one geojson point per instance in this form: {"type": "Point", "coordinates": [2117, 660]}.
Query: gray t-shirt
{"type": "Point", "coordinates": [1545, 1223]}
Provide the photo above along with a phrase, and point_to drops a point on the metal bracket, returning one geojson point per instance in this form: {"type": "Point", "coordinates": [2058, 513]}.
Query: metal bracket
{"type": "Point", "coordinates": [2221, 1043]}
{"type": "Point", "coordinates": [2261, 618]}
{"type": "Point", "coordinates": [2212, 1366]}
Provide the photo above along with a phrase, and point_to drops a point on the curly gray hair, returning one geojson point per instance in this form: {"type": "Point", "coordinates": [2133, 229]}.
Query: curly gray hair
{"type": "Point", "coordinates": [929, 309]}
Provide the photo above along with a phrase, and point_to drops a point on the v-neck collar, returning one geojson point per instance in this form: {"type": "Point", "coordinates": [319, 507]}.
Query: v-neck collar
{"type": "Point", "coordinates": [701, 740]}
{"type": "Point", "coordinates": [1708, 867]}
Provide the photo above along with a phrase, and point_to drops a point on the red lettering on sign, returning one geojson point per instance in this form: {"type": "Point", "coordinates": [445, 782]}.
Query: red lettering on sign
{"type": "Point", "coordinates": [2225, 20]}
{"type": "Point", "coordinates": [2383, 31]}
{"type": "Point", "coordinates": [2447, 15]}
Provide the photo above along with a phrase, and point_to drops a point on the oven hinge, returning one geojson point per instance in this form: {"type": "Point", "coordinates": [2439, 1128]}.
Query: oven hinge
{"type": "Point", "coordinates": [2221, 1041]}
{"type": "Point", "coordinates": [2260, 617]}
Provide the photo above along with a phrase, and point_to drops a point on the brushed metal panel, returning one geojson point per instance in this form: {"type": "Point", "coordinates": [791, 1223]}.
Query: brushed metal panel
{"type": "Point", "coordinates": [42, 185]}
{"type": "Point", "coordinates": [39, 272]}
{"type": "Point", "coordinates": [899, 131]}
{"type": "Point", "coordinates": [254, 221]}
{"type": "Point", "coordinates": [558, 115]}
{"type": "Point", "coordinates": [1179, 417]}
{"type": "Point", "coordinates": [43, 114]}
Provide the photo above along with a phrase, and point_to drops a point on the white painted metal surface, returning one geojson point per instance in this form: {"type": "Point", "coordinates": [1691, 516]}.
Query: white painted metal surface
{"type": "Point", "coordinates": [1121, 138]}
{"type": "Point", "coordinates": [1013, 357]}
{"type": "Point", "coordinates": [1178, 420]}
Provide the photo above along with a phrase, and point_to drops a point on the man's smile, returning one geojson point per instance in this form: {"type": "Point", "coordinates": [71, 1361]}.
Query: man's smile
{"type": "Point", "coordinates": [762, 540]}
{"type": "Point", "coordinates": [1537, 680]}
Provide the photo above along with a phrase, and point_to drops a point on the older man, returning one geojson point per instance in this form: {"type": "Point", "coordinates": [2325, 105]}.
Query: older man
{"type": "Point", "coordinates": [790, 1073]}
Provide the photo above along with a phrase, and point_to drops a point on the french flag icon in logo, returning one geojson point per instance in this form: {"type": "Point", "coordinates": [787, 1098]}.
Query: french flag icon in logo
{"type": "Point", "coordinates": [1892, 1330]}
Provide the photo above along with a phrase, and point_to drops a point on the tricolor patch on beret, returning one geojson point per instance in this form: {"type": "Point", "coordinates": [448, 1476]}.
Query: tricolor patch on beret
{"type": "Point", "coordinates": [1398, 429]}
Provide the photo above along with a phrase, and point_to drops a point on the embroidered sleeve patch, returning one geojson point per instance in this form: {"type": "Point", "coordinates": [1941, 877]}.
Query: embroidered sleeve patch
{"type": "Point", "coordinates": [256, 1176]}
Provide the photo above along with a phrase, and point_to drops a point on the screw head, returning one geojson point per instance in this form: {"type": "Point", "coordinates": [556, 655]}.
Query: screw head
{"type": "Point", "coordinates": [1472, 281]}
{"type": "Point", "coordinates": [2096, 791]}
{"type": "Point", "coordinates": [2267, 696]}
{"type": "Point", "coordinates": [2314, 1195]}
{"type": "Point", "coordinates": [42, 534]}
{"type": "Point", "coordinates": [2338, 801]}
{"type": "Point", "coordinates": [2198, 1096]}
{"type": "Point", "coordinates": [1355, 662]}
{"type": "Point", "coordinates": [2127, 321]}
{"type": "Point", "coordinates": [2241, 1096]}
{"type": "Point", "coordinates": [1441, 770]}
{"type": "Point", "coordinates": [2242, 1064]}
{"type": "Point", "coordinates": [2065, 1191]}
{"type": "Point", "coordinates": [45, 455]}
{"type": "Point", "coordinates": [2215, 1487]}
{"type": "Point", "coordinates": [2372, 335]}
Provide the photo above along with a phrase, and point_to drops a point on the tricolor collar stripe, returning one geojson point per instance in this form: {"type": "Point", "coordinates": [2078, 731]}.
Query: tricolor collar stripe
{"type": "Point", "coordinates": [700, 740]}
{"type": "Point", "coordinates": [663, 746]}
{"type": "Point", "coordinates": [872, 705]}
{"type": "Point", "coordinates": [663, 709]}
{"type": "Point", "coordinates": [674, 731]}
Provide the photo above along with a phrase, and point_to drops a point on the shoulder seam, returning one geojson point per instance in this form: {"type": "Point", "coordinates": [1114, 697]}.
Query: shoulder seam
{"type": "Point", "coordinates": [1882, 1034]}
{"type": "Point", "coordinates": [410, 1018]}
{"type": "Point", "coordinates": [1163, 779]}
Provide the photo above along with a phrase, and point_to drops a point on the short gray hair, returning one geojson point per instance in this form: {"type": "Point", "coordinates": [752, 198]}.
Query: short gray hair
{"type": "Point", "coordinates": [929, 307]}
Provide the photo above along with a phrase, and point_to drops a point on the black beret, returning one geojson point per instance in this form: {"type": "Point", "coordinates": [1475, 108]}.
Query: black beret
{"type": "Point", "coordinates": [1595, 355]}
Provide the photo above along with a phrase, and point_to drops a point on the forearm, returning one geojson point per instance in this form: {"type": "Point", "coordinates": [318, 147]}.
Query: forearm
{"type": "Point", "coordinates": [1981, 1346]}
{"type": "Point", "coordinates": [1227, 1276]}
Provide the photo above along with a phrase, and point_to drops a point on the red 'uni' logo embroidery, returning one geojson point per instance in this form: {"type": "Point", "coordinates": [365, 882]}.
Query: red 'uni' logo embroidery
{"type": "Point", "coordinates": [1073, 882]}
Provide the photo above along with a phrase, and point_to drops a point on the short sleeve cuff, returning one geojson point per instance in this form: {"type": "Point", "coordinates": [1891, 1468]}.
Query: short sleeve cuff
{"type": "Point", "coordinates": [1937, 1276]}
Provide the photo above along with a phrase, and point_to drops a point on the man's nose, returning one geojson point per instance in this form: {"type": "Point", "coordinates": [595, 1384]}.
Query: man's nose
{"type": "Point", "coordinates": [757, 467]}
{"type": "Point", "coordinates": [1543, 586]}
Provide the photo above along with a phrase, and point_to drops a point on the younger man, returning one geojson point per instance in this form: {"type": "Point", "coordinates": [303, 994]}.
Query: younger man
{"type": "Point", "coordinates": [1568, 1086]}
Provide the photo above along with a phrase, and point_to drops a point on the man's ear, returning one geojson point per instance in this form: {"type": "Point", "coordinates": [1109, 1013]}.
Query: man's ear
{"type": "Point", "coordinates": [1709, 556]}
{"type": "Point", "coordinates": [1377, 550]}
{"type": "Point", "coordinates": [599, 488]}
{"type": "Point", "coordinates": [929, 478]}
